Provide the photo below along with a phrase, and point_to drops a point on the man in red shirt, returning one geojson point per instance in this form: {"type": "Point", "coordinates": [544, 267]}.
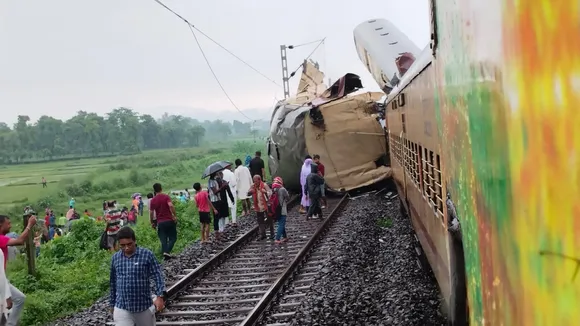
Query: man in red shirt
{"type": "Point", "coordinates": [162, 209]}
{"type": "Point", "coordinates": [316, 159]}
{"type": "Point", "coordinates": [16, 300]}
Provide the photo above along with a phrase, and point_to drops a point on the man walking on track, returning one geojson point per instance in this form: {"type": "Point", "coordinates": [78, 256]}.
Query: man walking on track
{"type": "Point", "coordinates": [257, 166]}
{"type": "Point", "coordinates": [132, 269]}
{"type": "Point", "coordinates": [162, 209]}
{"type": "Point", "coordinates": [243, 184]}
{"type": "Point", "coordinates": [260, 192]}
{"type": "Point", "coordinates": [230, 178]}
{"type": "Point", "coordinates": [16, 299]}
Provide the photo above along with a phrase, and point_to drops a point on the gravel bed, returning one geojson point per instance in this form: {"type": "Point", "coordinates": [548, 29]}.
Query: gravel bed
{"type": "Point", "coordinates": [373, 278]}
{"type": "Point", "coordinates": [98, 314]}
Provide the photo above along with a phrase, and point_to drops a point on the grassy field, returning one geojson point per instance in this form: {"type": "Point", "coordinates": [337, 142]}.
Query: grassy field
{"type": "Point", "coordinates": [117, 177]}
{"type": "Point", "coordinates": [71, 271]}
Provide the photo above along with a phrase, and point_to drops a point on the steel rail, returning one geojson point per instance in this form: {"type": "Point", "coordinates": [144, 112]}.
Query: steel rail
{"type": "Point", "coordinates": [219, 258]}
{"type": "Point", "coordinates": [262, 306]}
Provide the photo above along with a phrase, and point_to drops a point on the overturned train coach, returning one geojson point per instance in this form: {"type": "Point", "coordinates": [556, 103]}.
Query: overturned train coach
{"type": "Point", "coordinates": [343, 129]}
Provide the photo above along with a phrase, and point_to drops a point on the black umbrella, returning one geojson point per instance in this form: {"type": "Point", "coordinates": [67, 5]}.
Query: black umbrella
{"type": "Point", "coordinates": [215, 167]}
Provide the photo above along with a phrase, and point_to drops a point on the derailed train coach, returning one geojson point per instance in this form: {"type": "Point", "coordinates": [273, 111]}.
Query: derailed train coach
{"type": "Point", "coordinates": [469, 126]}
{"type": "Point", "coordinates": [343, 129]}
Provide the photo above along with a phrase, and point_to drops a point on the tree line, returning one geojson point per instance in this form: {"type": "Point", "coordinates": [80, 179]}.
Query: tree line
{"type": "Point", "coordinates": [119, 131]}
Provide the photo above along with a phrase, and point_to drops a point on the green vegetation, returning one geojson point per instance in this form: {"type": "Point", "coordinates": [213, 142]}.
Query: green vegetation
{"type": "Point", "coordinates": [122, 131]}
{"type": "Point", "coordinates": [385, 222]}
{"type": "Point", "coordinates": [72, 271]}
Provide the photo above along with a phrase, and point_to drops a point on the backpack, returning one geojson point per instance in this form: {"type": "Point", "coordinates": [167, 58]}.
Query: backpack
{"type": "Point", "coordinates": [274, 207]}
{"type": "Point", "coordinates": [103, 243]}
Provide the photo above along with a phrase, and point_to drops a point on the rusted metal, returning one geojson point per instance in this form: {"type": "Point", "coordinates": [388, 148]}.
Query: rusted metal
{"type": "Point", "coordinates": [256, 314]}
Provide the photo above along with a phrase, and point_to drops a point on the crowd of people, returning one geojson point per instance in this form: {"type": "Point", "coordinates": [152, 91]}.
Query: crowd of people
{"type": "Point", "coordinates": [219, 199]}
{"type": "Point", "coordinates": [133, 267]}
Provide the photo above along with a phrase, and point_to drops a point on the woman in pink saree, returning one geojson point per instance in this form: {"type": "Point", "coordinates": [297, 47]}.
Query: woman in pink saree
{"type": "Point", "coordinates": [305, 202]}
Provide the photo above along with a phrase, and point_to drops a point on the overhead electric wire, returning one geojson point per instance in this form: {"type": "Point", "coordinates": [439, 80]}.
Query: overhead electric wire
{"type": "Point", "coordinates": [308, 57]}
{"type": "Point", "coordinates": [303, 44]}
{"type": "Point", "coordinates": [215, 76]}
{"type": "Point", "coordinates": [191, 28]}
{"type": "Point", "coordinates": [218, 44]}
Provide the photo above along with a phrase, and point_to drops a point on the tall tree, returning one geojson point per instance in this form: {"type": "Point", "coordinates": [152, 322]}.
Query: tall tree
{"type": "Point", "coordinates": [88, 134]}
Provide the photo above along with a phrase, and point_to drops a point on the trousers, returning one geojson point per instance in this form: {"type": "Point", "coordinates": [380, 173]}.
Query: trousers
{"type": "Point", "coordinates": [233, 212]}
{"type": "Point", "coordinates": [167, 233]}
{"type": "Point", "coordinates": [314, 208]}
{"type": "Point", "coordinates": [123, 317]}
{"type": "Point", "coordinates": [281, 232]}
{"type": "Point", "coordinates": [17, 306]}
{"type": "Point", "coordinates": [263, 223]}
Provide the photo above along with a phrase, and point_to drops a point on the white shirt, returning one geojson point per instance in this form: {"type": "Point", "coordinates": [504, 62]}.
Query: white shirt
{"type": "Point", "coordinates": [230, 178]}
{"type": "Point", "coordinates": [243, 181]}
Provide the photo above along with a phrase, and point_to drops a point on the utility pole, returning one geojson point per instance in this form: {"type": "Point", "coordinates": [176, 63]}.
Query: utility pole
{"type": "Point", "coordinates": [285, 78]}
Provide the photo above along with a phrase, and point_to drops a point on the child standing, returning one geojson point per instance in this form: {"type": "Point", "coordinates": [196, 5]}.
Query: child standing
{"type": "Point", "coordinates": [203, 206]}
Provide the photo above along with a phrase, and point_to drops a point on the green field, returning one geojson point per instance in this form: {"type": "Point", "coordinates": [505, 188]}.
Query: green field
{"type": "Point", "coordinates": [71, 271]}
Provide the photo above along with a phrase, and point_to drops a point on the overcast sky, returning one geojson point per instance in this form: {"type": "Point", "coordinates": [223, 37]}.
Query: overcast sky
{"type": "Point", "coordinates": [61, 56]}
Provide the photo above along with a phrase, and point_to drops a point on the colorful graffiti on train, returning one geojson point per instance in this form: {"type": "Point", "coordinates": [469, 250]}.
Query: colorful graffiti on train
{"type": "Point", "coordinates": [509, 92]}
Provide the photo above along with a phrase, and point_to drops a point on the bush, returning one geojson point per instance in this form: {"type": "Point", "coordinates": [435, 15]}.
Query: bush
{"type": "Point", "coordinates": [72, 271]}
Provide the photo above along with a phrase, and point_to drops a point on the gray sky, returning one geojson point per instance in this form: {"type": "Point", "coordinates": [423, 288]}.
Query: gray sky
{"type": "Point", "coordinates": [61, 56]}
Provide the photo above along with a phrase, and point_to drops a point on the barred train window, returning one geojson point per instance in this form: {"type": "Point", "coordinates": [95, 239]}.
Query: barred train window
{"type": "Point", "coordinates": [426, 170]}
{"type": "Point", "coordinates": [416, 164]}
{"type": "Point", "coordinates": [438, 185]}
{"type": "Point", "coordinates": [432, 181]}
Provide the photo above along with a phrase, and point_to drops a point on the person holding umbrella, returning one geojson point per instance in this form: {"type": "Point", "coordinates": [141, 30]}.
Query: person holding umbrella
{"type": "Point", "coordinates": [215, 188]}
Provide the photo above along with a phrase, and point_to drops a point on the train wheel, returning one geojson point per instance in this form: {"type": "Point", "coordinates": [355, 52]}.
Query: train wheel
{"type": "Point", "coordinates": [458, 308]}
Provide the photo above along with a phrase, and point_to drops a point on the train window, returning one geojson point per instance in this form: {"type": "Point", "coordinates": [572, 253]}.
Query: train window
{"type": "Point", "coordinates": [403, 122]}
{"type": "Point", "coordinates": [416, 164]}
{"type": "Point", "coordinates": [426, 171]}
{"type": "Point", "coordinates": [384, 34]}
{"type": "Point", "coordinates": [433, 197]}
{"type": "Point", "coordinates": [420, 172]}
{"type": "Point", "coordinates": [378, 28]}
{"type": "Point", "coordinates": [438, 186]}
{"type": "Point", "coordinates": [434, 38]}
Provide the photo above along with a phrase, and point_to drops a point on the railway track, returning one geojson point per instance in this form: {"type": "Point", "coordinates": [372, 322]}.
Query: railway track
{"type": "Point", "coordinates": [252, 280]}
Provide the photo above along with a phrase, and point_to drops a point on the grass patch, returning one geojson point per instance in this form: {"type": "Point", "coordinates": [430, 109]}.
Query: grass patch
{"type": "Point", "coordinates": [385, 222]}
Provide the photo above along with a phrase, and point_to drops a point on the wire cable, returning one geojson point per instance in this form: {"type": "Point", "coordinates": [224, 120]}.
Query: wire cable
{"type": "Point", "coordinates": [217, 43]}
{"type": "Point", "coordinates": [303, 44]}
{"type": "Point", "coordinates": [214, 74]}
{"type": "Point", "coordinates": [308, 57]}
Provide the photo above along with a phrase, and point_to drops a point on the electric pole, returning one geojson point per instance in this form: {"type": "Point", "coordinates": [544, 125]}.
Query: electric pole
{"type": "Point", "coordinates": [285, 78]}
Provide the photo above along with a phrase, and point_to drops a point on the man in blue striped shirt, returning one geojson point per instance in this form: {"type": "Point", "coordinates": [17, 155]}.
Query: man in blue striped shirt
{"type": "Point", "coordinates": [131, 270]}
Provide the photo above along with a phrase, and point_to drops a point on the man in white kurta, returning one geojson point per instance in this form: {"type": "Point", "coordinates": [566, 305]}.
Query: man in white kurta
{"type": "Point", "coordinates": [230, 178]}
{"type": "Point", "coordinates": [244, 182]}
